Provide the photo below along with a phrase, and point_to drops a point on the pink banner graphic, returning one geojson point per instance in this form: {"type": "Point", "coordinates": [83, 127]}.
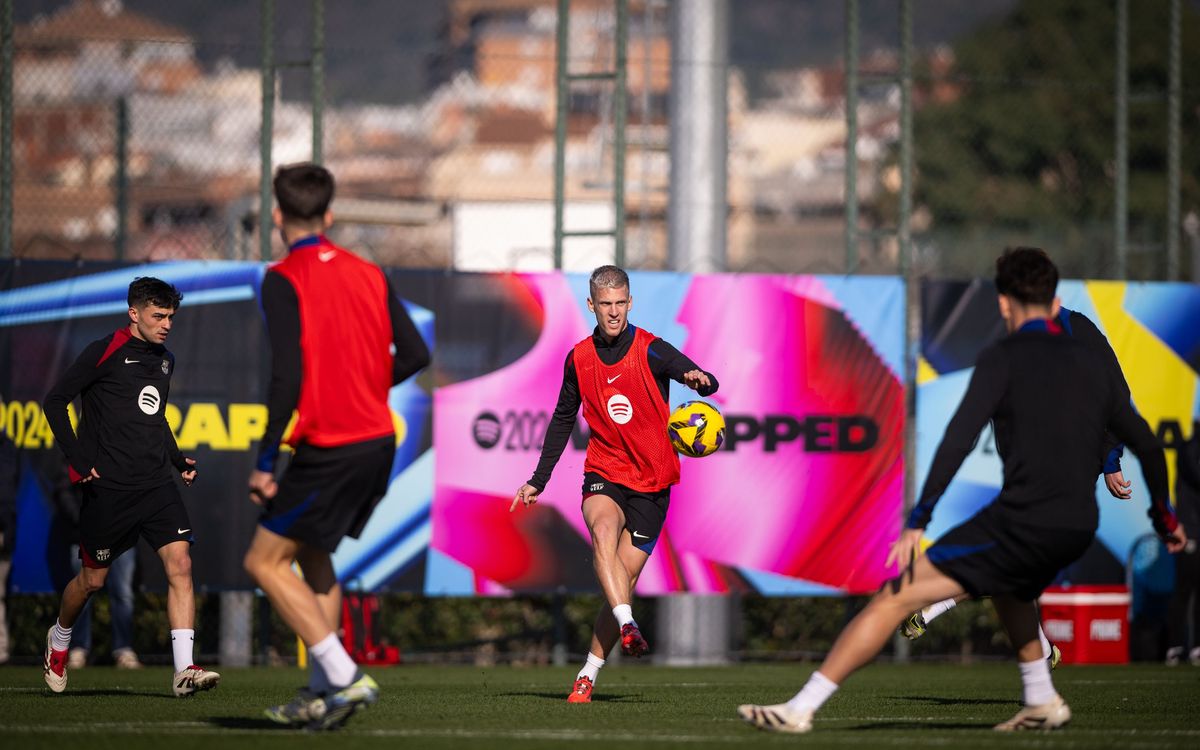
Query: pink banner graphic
{"type": "Point", "coordinates": [808, 485]}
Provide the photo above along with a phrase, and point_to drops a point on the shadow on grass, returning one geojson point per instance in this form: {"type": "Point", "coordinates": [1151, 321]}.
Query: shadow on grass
{"type": "Point", "coordinates": [108, 692]}
{"type": "Point", "coordinates": [942, 700]}
{"type": "Point", "coordinates": [248, 722]}
{"type": "Point", "coordinates": [909, 726]}
{"type": "Point", "coordinates": [561, 698]}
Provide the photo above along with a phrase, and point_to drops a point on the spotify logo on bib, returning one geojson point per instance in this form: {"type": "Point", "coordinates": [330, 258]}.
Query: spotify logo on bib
{"type": "Point", "coordinates": [620, 409]}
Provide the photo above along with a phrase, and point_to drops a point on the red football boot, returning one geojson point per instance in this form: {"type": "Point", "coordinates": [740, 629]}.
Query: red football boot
{"type": "Point", "coordinates": [582, 692]}
{"type": "Point", "coordinates": [632, 642]}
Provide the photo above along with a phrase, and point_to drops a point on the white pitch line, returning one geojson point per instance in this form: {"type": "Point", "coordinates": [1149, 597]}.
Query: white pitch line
{"type": "Point", "coordinates": [566, 735]}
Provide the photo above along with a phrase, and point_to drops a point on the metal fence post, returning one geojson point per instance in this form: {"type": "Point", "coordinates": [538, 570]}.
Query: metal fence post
{"type": "Point", "coordinates": [1121, 157]}
{"type": "Point", "coordinates": [121, 181]}
{"type": "Point", "coordinates": [6, 130]}
{"type": "Point", "coordinates": [264, 136]}
{"type": "Point", "coordinates": [619, 119]}
{"type": "Point", "coordinates": [1174, 74]}
{"type": "Point", "coordinates": [851, 136]}
{"type": "Point", "coordinates": [317, 71]}
{"type": "Point", "coordinates": [562, 37]}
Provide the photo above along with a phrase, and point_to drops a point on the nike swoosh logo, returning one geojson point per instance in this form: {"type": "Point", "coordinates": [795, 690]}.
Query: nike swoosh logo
{"type": "Point", "coordinates": [326, 255]}
{"type": "Point", "coordinates": [614, 377]}
{"type": "Point", "coordinates": [129, 361]}
{"type": "Point", "coordinates": [183, 531]}
{"type": "Point", "coordinates": [640, 536]}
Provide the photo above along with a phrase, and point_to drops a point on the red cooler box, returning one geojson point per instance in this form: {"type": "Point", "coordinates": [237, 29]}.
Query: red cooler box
{"type": "Point", "coordinates": [1089, 624]}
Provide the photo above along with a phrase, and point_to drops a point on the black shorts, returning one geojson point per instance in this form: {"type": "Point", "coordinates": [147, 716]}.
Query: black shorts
{"type": "Point", "coordinates": [645, 512]}
{"type": "Point", "coordinates": [111, 521]}
{"type": "Point", "coordinates": [326, 494]}
{"type": "Point", "coordinates": [991, 555]}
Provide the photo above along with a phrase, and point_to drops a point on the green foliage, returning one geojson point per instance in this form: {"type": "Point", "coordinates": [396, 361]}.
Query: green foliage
{"type": "Point", "coordinates": [1030, 141]}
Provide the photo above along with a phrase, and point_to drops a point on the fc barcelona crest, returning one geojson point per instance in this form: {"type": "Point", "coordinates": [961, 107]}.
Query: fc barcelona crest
{"type": "Point", "coordinates": [165, 367]}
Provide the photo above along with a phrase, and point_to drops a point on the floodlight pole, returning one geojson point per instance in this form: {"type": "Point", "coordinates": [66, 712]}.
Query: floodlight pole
{"type": "Point", "coordinates": [1121, 157]}
{"type": "Point", "coordinates": [851, 136]}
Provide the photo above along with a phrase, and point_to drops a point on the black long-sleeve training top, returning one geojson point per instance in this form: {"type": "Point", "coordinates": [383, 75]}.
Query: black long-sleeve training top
{"type": "Point", "coordinates": [666, 364]}
{"type": "Point", "coordinates": [123, 431]}
{"type": "Point", "coordinates": [1050, 397]}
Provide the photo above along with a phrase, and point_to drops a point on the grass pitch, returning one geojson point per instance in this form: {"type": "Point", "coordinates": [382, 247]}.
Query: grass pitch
{"type": "Point", "coordinates": [635, 706]}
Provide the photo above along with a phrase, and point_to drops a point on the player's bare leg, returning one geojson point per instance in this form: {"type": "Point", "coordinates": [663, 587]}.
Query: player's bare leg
{"type": "Point", "coordinates": [269, 562]}
{"type": "Point", "coordinates": [79, 589]}
{"type": "Point", "coordinates": [1043, 707]}
{"type": "Point", "coordinates": [606, 632]}
{"type": "Point", "coordinates": [317, 569]}
{"type": "Point", "coordinates": [181, 614]}
{"type": "Point", "coordinates": [918, 586]}
{"type": "Point", "coordinates": [181, 600]}
{"type": "Point", "coordinates": [606, 523]}
{"type": "Point", "coordinates": [58, 639]}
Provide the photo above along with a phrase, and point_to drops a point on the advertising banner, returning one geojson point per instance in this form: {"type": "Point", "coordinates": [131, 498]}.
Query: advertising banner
{"type": "Point", "coordinates": [804, 497]}
{"type": "Point", "coordinates": [1152, 328]}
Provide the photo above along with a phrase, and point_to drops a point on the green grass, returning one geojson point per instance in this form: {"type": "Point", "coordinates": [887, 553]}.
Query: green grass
{"type": "Point", "coordinates": [914, 706]}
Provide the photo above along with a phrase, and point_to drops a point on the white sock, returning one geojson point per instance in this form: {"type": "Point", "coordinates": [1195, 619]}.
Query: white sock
{"type": "Point", "coordinates": [932, 612]}
{"type": "Point", "coordinates": [817, 690]}
{"type": "Point", "coordinates": [318, 681]}
{"type": "Point", "coordinates": [591, 668]}
{"type": "Point", "coordinates": [624, 614]}
{"type": "Point", "coordinates": [331, 655]}
{"type": "Point", "coordinates": [60, 637]}
{"type": "Point", "coordinates": [182, 641]}
{"type": "Point", "coordinates": [1045, 642]}
{"type": "Point", "coordinates": [1035, 675]}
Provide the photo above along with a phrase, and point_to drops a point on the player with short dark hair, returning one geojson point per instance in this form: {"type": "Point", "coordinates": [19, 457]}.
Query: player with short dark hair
{"type": "Point", "coordinates": [125, 458]}
{"type": "Point", "coordinates": [340, 339]}
{"type": "Point", "coordinates": [621, 375]}
{"type": "Point", "coordinates": [1050, 398]}
{"type": "Point", "coordinates": [1076, 325]}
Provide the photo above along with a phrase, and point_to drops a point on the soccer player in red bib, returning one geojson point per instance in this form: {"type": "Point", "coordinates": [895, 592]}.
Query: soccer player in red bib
{"type": "Point", "coordinates": [620, 374]}
{"type": "Point", "coordinates": [340, 339]}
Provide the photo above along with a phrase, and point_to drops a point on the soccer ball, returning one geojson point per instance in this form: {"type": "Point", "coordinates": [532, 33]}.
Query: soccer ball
{"type": "Point", "coordinates": [696, 428]}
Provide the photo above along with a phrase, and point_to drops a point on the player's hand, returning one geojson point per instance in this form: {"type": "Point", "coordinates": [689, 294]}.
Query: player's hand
{"type": "Point", "coordinates": [1118, 487]}
{"type": "Point", "coordinates": [89, 477]}
{"type": "Point", "coordinates": [528, 494]}
{"type": "Point", "coordinates": [262, 487]}
{"type": "Point", "coordinates": [189, 475]}
{"type": "Point", "coordinates": [1176, 540]}
{"type": "Point", "coordinates": [696, 379]}
{"type": "Point", "coordinates": [905, 549]}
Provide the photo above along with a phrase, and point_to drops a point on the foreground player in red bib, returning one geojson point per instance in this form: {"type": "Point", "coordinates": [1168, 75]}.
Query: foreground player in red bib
{"type": "Point", "coordinates": [340, 339]}
{"type": "Point", "coordinates": [620, 374]}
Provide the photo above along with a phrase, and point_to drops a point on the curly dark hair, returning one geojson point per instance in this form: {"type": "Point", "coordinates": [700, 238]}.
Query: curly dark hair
{"type": "Point", "coordinates": [147, 290]}
{"type": "Point", "coordinates": [1027, 275]}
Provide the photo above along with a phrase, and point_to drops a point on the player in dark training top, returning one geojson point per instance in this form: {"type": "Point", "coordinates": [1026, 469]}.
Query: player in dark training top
{"type": "Point", "coordinates": [1050, 398]}
{"type": "Point", "coordinates": [620, 374]}
{"type": "Point", "coordinates": [126, 458]}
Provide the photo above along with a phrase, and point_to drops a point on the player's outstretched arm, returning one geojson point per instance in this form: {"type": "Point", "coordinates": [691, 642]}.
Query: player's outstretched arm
{"type": "Point", "coordinates": [78, 376]}
{"type": "Point", "coordinates": [665, 359]}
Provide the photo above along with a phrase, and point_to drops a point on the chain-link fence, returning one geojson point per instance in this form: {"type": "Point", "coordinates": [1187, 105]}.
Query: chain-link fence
{"type": "Point", "coordinates": [136, 131]}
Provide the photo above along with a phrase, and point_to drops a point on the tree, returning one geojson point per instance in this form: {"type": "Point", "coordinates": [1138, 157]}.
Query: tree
{"type": "Point", "coordinates": [1030, 141]}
